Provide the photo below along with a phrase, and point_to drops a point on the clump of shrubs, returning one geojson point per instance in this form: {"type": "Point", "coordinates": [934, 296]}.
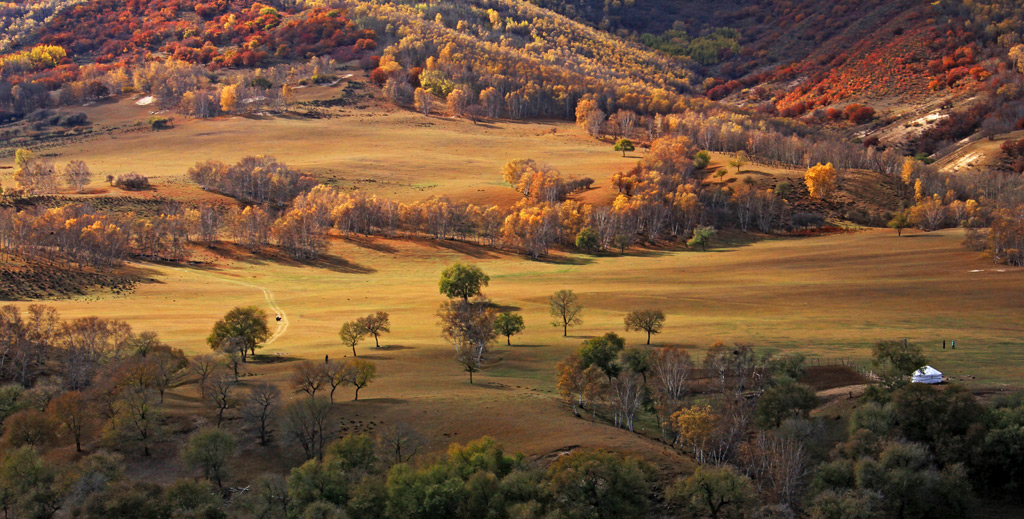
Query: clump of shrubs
{"type": "Point", "coordinates": [43, 118]}
{"type": "Point", "coordinates": [159, 123]}
{"type": "Point", "coordinates": [132, 182]}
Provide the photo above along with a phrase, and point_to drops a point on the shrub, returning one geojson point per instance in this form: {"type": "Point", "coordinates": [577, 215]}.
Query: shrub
{"type": "Point", "coordinates": [159, 123]}
{"type": "Point", "coordinates": [132, 182]}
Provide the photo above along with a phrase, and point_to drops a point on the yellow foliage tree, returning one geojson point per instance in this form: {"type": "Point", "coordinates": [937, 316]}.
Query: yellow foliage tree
{"type": "Point", "coordinates": [695, 425]}
{"type": "Point", "coordinates": [228, 98]}
{"type": "Point", "coordinates": [821, 180]}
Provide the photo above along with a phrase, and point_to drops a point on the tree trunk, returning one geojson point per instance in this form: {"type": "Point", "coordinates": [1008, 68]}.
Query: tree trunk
{"type": "Point", "coordinates": [648, 337]}
{"type": "Point", "coordinates": [508, 340]}
{"type": "Point", "coordinates": [565, 329]}
{"type": "Point", "coordinates": [357, 393]}
{"type": "Point", "coordinates": [376, 341]}
{"type": "Point", "coordinates": [354, 351]}
{"type": "Point", "coordinates": [470, 377]}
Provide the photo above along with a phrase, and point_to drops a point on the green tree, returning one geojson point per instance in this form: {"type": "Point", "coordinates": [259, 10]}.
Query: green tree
{"type": "Point", "coordinates": [701, 159]}
{"type": "Point", "coordinates": [566, 308]}
{"type": "Point", "coordinates": [648, 320]}
{"type": "Point", "coordinates": [739, 162]}
{"type": "Point", "coordinates": [636, 359]}
{"type": "Point", "coordinates": [900, 220]}
{"type": "Point", "coordinates": [786, 398]}
{"type": "Point", "coordinates": [464, 483]}
{"type": "Point", "coordinates": [127, 500]}
{"type": "Point", "coordinates": [508, 324]}
{"type": "Point", "coordinates": [587, 239]}
{"type": "Point", "coordinates": [199, 499]}
{"type": "Point", "coordinates": [895, 362]}
{"type": "Point", "coordinates": [210, 449]}
{"type": "Point", "coordinates": [603, 352]}
{"type": "Point", "coordinates": [249, 324]}
{"type": "Point", "coordinates": [29, 485]}
{"type": "Point", "coordinates": [701, 236]}
{"type": "Point", "coordinates": [589, 484]}
{"type": "Point", "coordinates": [624, 145]}
{"type": "Point", "coordinates": [948, 420]}
{"type": "Point", "coordinates": [715, 493]}
{"type": "Point", "coordinates": [911, 485]}
{"type": "Point", "coordinates": [462, 281]}
{"type": "Point", "coordinates": [351, 333]}
{"type": "Point", "coordinates": [354, 453]}
{"type": "Point", "coordinates": [845, 504]}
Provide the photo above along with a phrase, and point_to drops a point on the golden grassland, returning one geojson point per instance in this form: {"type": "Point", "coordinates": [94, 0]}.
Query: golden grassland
{"type": "Point", "coordinates": [828, 297]}
{"type": "Point", "coordinates": [391, 152]}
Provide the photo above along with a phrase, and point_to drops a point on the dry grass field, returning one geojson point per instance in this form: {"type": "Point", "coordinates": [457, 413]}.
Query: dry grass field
{"type": "Point", "coordinates": [828, 297]}
{"type": "Point", "coordinates": [391, 152]}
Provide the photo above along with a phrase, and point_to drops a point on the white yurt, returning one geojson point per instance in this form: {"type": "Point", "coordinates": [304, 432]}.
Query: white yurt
{"type": "Point", "coordinates": [927, 375]}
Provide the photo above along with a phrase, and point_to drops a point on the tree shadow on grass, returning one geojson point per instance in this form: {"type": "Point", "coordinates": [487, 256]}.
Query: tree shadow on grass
{"type": "Point", "coordinates": [580, 337]}
{"type": "Point", "coordinates": [367, 356]}
{"type": "Point", "coordinates": [280, 257]}
{"type": "Point", "coordinates": [465, 248]}
{"type": "Point", "coordinates": [390, 347]}
{"type": "Point", "coordinates": [370, 243]}
{"type": "Point", "coordinates": [503, 308]}
{"type": "Point", "coordinates": [264, 358]}
{"type": "Point", "coordinates": [922, 235]}
{"type": "Point", "coordinates": [565, 260]}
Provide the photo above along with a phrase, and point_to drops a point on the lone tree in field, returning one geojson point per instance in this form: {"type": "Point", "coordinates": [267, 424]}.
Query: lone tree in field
{"type": "Point", "coordinates": [648, 320]}
{"type": "Point", "coordinates": [566, 309]}
{"type": "Point", "coordinates": [462, 281]}
{"type": "Point", "coordinates": [624, 145]}
{"type": "Point", "coordinates": [77, 175]}
{"type": "Point", "coordinates": [362, 373]}
{"type": "Point", "coordinates": [469, 326]}
{"type": "Point", "coordinates": [248, 324]}
{"type": "Point", "coordinates": [739, 162]}
{"type": "Point", "coordinates": [509, 324]}
{"type": "Point", "coordinates": [210, 449]}
{"type": "Point", "coordinates": [351, 333]}
{"type": "Point", "coordinates": [376, 324]}
{"type": "Point", "coordinates": [900, 221]}
{"type": "Point", "coordinates": [701, 236]}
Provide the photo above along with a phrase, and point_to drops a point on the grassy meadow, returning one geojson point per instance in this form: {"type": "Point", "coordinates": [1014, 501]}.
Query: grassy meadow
{"type": "Point", "coordinates": [828, 297]}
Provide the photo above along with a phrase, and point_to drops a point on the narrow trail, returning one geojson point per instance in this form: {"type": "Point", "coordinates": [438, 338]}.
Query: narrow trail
{"type": "Point", "coordinates": [282, 325]}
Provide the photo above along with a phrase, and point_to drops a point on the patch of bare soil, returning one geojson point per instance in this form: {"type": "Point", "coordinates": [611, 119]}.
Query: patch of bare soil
{"type": "Point", "coordinates": [822, 378]}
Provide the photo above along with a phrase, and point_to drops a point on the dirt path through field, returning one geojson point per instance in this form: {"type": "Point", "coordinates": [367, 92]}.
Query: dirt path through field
{"type": "Point", "coordinates": [282, 324]}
